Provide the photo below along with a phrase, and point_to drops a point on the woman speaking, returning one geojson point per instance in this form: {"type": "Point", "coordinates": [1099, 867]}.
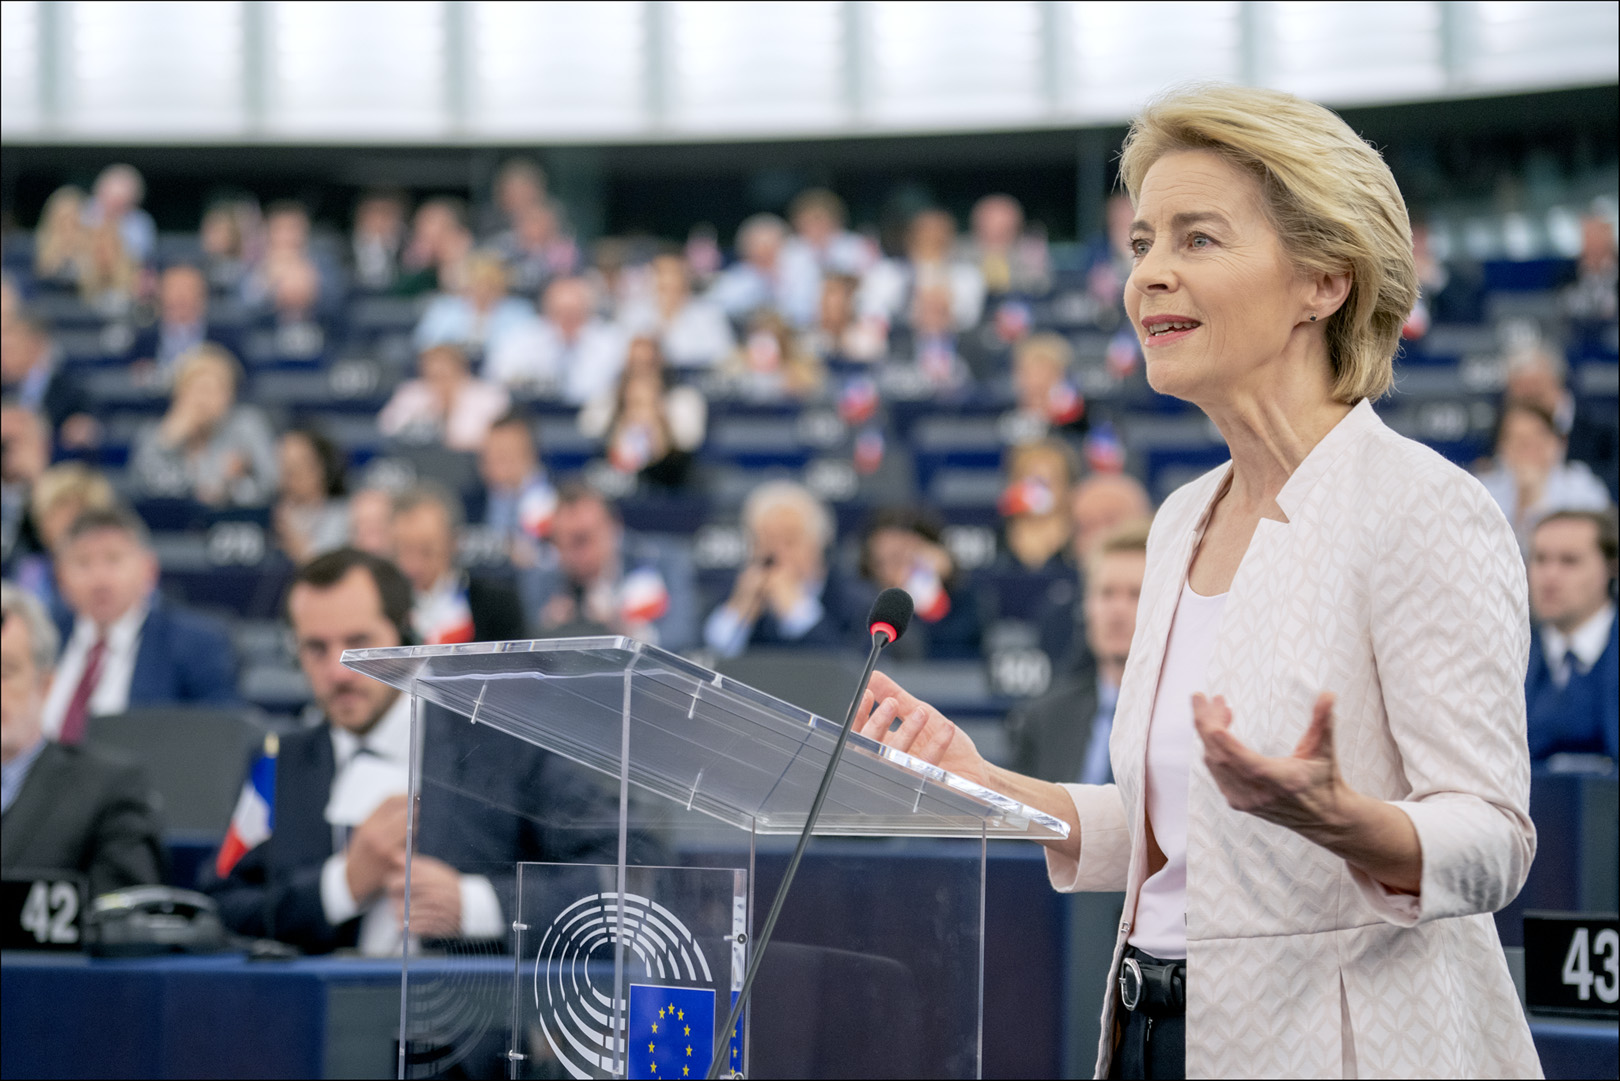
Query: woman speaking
{"type": "Point", "coordinates": [1319, 745]}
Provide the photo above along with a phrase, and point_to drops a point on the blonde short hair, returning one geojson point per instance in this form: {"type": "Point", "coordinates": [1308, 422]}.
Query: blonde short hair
{"type": "Point", "coordinates": [1329, 195]}
{"type": "Point", "coordinates": [70, 481]}
{"type": "Point", "coordinates": [1052, 348]}
{"type": "Point", "coordinates": [203, 358]}
{"type": "Point", "coordinates": [785, 493]}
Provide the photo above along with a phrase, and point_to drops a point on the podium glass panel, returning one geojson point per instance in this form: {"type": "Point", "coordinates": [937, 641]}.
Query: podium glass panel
{"type": "Point", "coordinates": [547, 905]}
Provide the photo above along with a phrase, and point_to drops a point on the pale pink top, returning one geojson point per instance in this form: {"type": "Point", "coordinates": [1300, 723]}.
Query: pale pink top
{"type": "Point", "coordinates": [1161, 907]}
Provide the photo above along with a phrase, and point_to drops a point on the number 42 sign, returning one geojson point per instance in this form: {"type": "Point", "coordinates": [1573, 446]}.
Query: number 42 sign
{"type": "Point", "coordinates": [1572, 963]}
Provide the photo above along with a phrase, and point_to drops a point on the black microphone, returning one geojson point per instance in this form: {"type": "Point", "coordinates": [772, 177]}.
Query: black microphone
{"type": "Point", "coordinates": [888, 620]}
{"type": "Point", "coordinates": [891, 615]}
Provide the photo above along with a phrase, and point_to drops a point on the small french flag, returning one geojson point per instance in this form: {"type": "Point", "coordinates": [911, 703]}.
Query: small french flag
{"type": "Point", "coordinates": [1031, 495]}
{"type": "Point", "coordinates": [928, 594]}
{"type": "Point", "coordinates": [536, 507]}
{"type": "Point", "coordinates": [255, 814]}
{"type": "Point", "coordinates": [644, 598]}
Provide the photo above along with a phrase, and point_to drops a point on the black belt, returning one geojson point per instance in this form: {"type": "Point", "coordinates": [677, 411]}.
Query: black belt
{"type": "Point", "coordinates": [1157, 988]}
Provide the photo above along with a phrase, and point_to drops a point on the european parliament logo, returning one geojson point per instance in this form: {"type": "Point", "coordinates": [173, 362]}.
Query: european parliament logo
{"type": "Point", "coordinates": [672, 1032]}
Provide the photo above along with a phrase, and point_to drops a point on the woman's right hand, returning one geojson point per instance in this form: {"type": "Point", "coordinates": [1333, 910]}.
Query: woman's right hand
{"type": "Point", "coordinates": [924, 731]}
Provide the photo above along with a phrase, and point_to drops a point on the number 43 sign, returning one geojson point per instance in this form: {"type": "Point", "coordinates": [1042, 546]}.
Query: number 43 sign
{"type": "Point", "coordinates": [1572, 964]}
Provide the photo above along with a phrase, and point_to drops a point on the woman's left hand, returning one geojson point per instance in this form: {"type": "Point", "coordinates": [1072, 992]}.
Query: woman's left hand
{"type": "Point", "coordinates": [1303, 792]}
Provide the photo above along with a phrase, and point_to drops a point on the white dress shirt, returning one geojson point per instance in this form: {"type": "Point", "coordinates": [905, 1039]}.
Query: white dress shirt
{"type": "Point", "coordinates": [536, 355]}
{"type": "Point", "coordinates": [698, 335]}
{"type": "Point", "coordinates": [117, 667]}
{"type": "Point", "coordinates": [1587, 642]}
{"type": "Point", "coordinates": [359, 785]}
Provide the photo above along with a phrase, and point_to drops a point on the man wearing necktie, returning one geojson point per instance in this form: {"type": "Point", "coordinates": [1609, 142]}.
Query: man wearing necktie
{"type": "Point", "coordinates": [126, 647]}
{"type": "Point", "coordinates": [1572, 689]}
{"type": "Point", "coordinates": [331, 875]}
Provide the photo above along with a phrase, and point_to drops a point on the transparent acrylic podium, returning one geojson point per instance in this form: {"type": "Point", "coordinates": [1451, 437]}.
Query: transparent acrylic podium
{"type": "Point", "coordinates": [605, 912]}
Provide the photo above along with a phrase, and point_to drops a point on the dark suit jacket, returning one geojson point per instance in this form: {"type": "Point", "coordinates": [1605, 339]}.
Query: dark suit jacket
{"type": "Point", "coordinates": [183, 657]}
{"type": "Point", "coordinates": [840, 626]}
{"type": "Point", "coordinates": [85, 809]}
{"type": "Point", "coordinates": [145, 345]}
{"type": "Point", "coordinates": [1051, 735]}
{"type": "Point", "coordinates": [1581, 717]}
{"type": "Point", "coordinates": [488, 801]}
{"type": "Point", "coordinates": [497, 612]}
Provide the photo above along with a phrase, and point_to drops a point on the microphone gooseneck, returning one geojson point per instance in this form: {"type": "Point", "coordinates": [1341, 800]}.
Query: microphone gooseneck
{"type": "Point", "coordinates": [888, 620]}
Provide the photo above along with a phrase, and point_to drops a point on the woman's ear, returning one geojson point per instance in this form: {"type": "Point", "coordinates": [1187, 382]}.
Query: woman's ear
{"type": "Point", "coordinates": [1327, 294]}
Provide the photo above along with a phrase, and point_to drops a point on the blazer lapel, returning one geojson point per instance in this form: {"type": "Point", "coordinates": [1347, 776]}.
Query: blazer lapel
{"type": "Point", "coordinates": [146, 683]}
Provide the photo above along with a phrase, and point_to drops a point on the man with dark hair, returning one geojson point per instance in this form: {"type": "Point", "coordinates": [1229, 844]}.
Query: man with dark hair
{"type": "Point", "coordinates": [64, 808]}
{"type": "Point", "coordinates": [331, 873]}
{"type": "Point", "coordinates": [451, 605]}
{"type": "Point", "coordinates": [124, 645]}
{"type": "Point", "coordinates": [1572, 690]}
{"type": "Point", "coordinates": [595, 580]}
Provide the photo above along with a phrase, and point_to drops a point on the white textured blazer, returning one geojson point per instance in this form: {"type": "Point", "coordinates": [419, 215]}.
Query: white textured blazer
{"type": "Point", "coordinates": [1396, 584]}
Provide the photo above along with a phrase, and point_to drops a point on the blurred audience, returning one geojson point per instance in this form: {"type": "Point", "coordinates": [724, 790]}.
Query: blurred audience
{"type": "Point", "coordinates": [1573, 686]}
{"type": "Point", "coordinates": [1036, 520]}
{"type": "Point", "coordinates": [535, 249]}
{"type": "Point", "coordinates": [1046, 399]}
{"type": "Point", "coordinates": [61, 240]}
{"type": "Point", "coordinates": [481, 316]}
{"type": "Point", "coordinates": [448, 605]}
{"type": "Point", "coordinates": [1101, 504]}
{"type": "Point", "coordinates": [928, 339]}
{"type": "Point", "coordinates": [230, 236]}
{"type": "Point", "coordinates": [1009, 259]}
{"type": "Point", "coordinates": [295, 320]}
{"type": "Point", "coordinates": [594, 579]}
{"type": "Point", "coordinates": [64, 807]}
{"type": "Point", "coordinates": [115, 201]}
{"type": "Point", "coordinates": [371, 522]}
{"type": "Point", "coordinates": [771, 365]}
{"type": "Point", "coordinates": [519, 502]}
{"type": "Point", "coordinates": [124, 645]}
{"type": "Point", "coordinates": [838, 334]}
{"type": "Point", "coordinates": [182, 322]}
{"type": "Point", "coordinates": [208, 446]}
{"type": "Point", "coordinates": [60, 494]}
{"type": "Point", "coordinates": [437, 249]}
{"type": "Point", "coordinates": [762, 279]}
{"type": "Point", "coordinates": [693, 332]}
{"type": "Point", "coordinates": [649, 427]}
{"type": "Point", "coordinates": [1540, 375]}
{"type": "Point", "coordinates": [1591, 297]}
{"type": "Point", "coordinates": [109, 277]}
{"type": "Point", "coordinates": [786, 594]}
{"type": "Point", "coordinates": [904, 548]}
{"type": "Point", "coordinates": [930, 258]}
{"type": "Point", "coordinates": [309, 517]}
{"type": "Point", "coordinates": [1050, 736]}
{"type": "Point", "coordinates": [570, 351]}
{"type": "Point", "coordinates": [331, 874]}
{"type": "Point", "coordinates": [377, 242]}
{"type": "Point", "coordinates": [520, 185]}
{"type": "Point", "coordinates": [1529, 477]}
{"type": "Point", "coordinates": [444, 404]}
{"type": "Point", "coordinates": [32, 377]}
{"type": "Point", "coordinates": [25, 453]}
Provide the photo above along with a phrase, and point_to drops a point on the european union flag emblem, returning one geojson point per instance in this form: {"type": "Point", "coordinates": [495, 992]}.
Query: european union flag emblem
{"type": "Point", "coordinates": [671, 1031]}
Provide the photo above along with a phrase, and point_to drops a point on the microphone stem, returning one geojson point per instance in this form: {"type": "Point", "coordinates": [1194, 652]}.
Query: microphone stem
{"type": "Point", "coordinates": [879, 640]}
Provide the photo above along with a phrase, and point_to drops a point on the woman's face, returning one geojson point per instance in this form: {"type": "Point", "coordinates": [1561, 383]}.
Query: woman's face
{"type": "Point", "coordinates": [1212, 294]}
{"type": "Point", "coordinates": [1526, 447]}
{"type": "Point", "coordinates": [891, 554]}
{"type": "Point", "coordinates": [301, 475]}
{"type": "Point", "coordinates": [208, 393]}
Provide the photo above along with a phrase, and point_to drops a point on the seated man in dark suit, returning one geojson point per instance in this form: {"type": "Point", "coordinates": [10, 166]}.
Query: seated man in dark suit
{"type": "Point", "coordinates": [125, 646]}
{"type": "Point", "coordinates": [32, 376]}
{"type": "Point", "coordinates": [785, 595]}
{"type": "Point", "coordinates": [1572, 690]}
{"type": "Point", "coordinates": [593, 579]}
{"type": "Point", "coordinates": [331, 873]}
{"type": "Point", "coordinates": [64, 808]}
{"type": "Point", "coordinates": [449, 605]}
{"type": "Point", "coordinates": [182, 322]}
{"type": "Point", "coordinates": [1063, 736]}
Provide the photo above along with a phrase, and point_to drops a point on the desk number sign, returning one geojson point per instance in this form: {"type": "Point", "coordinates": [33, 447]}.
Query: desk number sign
{"type": "Point", "coordinates": [1572, 963]}
{"type": "Point", "coordinates": [42, 911]}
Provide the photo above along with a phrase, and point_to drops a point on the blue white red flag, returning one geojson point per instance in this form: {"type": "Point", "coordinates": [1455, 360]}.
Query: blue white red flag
{"type": "Point", "coordinates": [255, 814]}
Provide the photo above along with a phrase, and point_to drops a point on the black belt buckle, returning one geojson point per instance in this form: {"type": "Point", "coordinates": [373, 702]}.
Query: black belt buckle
{"type": "Point", "coordinates": [1130, 983]}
